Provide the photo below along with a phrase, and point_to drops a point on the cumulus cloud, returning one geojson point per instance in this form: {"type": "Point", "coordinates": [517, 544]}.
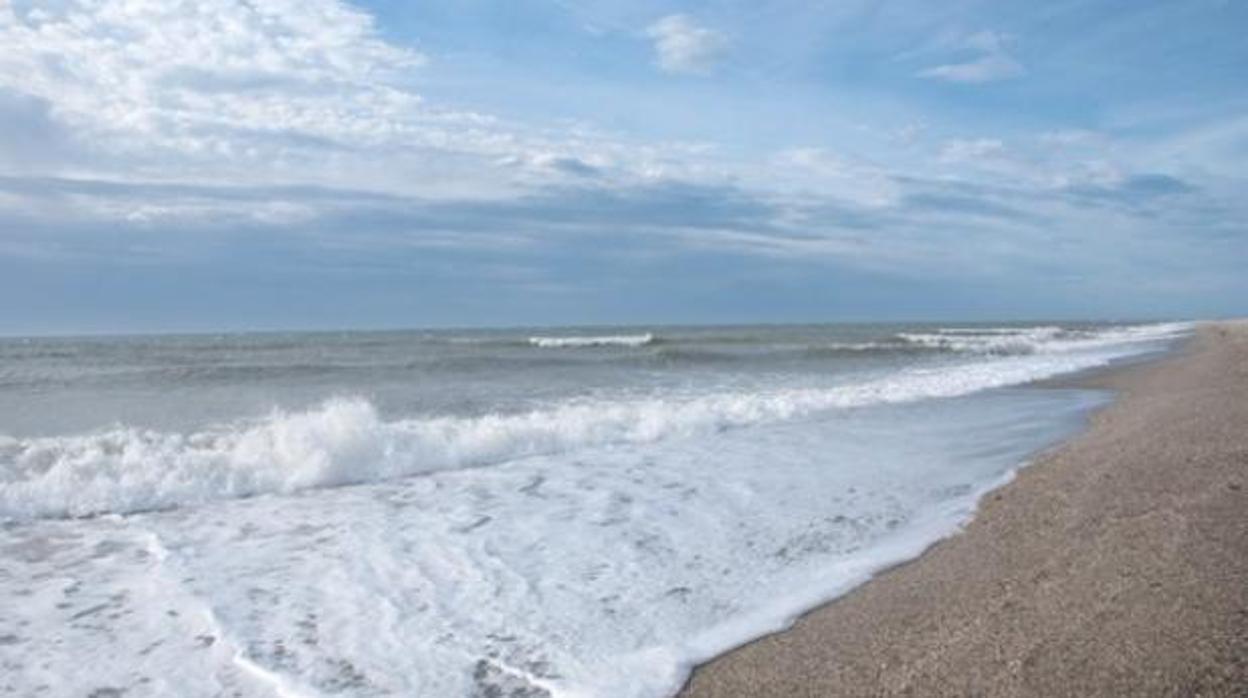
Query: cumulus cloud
{"type": "Point", "coordinates": [682, 46]}
{"type": "Point", "coordinates": [989, 61]}
{"type": "Point", "coordinates": [257, 91]}
{"type": "Point", "coordinates": [190, 76]}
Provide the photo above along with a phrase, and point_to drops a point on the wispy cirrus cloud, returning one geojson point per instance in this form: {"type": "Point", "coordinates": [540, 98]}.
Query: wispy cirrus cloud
{"type": "Point", "coordinates": [990, 61]}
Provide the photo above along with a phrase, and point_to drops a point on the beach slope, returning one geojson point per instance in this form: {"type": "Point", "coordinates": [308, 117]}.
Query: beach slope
{"type": "Point", "coordinates": [1117, 564]}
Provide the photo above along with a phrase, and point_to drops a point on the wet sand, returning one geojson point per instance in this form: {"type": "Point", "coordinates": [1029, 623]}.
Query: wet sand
{"type": "Point", "coordinates": [1115, 565]}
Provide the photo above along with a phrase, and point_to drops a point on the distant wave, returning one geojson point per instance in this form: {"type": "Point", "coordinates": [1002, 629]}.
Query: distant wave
{"type": "Point", "coordinates": [855, 348]}
{"type": "Point", "coordinates": [1037, 340]}
{"type": "Point", "coordinates": [990, 340]}
{"type": "Point", "coordinates": [623, 340]}
{"type": "Point", "coordinates": [345, 441]}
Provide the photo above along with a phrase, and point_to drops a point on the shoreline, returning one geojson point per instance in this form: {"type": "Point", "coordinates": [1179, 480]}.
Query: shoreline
{"type": "Point", "coordinates": [1099, 569]}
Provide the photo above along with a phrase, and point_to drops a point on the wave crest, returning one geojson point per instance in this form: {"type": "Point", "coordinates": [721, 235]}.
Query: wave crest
{"type": "Point", "coordinates": [346, 441]}
{"type": "Point", "coordinates": [1007, 341]}
{"type": "Point", "coordinates": [625, 340]}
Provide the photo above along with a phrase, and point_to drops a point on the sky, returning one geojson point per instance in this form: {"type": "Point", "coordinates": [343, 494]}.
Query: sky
{"type": "Point", "coordinates": [289, 164]}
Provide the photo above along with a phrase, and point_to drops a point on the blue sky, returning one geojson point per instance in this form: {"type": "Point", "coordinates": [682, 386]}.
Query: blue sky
{"type": "Point", "coordinates": [231, 164]}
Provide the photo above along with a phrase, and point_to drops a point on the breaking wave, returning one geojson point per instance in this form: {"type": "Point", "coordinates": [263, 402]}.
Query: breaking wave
{"type": "Point", "coordinates": [625, 340]}
{"type": "Point", "coordinates": [1036, 340]}
{"type": "Point", "coordinates": [345, 441]}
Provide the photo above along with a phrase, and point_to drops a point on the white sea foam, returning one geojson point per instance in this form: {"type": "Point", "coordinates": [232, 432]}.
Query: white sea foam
{"type": "Point", "coordinates": [602, 573]}
{"type": "Point", "coordinates": [1040, 330]}
{"type": "Point", "coordinates": [641, 535]}
{"type": "Point", "coordinates": [855, 346]}
{"type": "Point", "coordinates": [346, 441]}
{"type": "Point", "coordinates": [623, 340]}
{"type": "Point", "coordinates": [986, 341]}
{"type": "Point", "coordinates": [1038, 340]}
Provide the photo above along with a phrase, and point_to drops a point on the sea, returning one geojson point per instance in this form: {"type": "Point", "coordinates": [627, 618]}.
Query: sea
{"type": "Point", "coordinates": [523, 513]}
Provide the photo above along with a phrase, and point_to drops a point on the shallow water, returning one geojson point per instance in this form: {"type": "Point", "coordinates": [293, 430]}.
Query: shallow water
{"type": "Point", "coordinates": [519, 513]}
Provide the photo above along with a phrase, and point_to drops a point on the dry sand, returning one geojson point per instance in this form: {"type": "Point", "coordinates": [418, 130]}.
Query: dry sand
{"type": "Point", "coordinates": [1115, 565]}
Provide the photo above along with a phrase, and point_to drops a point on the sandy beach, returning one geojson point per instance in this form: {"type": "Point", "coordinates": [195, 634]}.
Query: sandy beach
{"type": "Point", "coordinates": [1114, 565]}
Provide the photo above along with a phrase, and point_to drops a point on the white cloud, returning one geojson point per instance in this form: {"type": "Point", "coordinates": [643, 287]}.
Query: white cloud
{"type": "Point", "coordinates": [175, 73]}
{"type": "Point", "coordinates": [267, 91]}
{"type": "Point", "coordinates": [838, 178]}
{"type": "Point", "coordinates": [989, 160]}
{"type": "Point", "coordinates": [989, 68]}
{"type": "Point", "coordinates": [214, 99]}
{"type": "Point", "coordinates": [971, 150]}
{"type": "Point", "coordinates": [1070, 138]}
{"type": "Point", "coordinates": [681, 46]}
{"type": "Point", "coordinates": [992, 63]}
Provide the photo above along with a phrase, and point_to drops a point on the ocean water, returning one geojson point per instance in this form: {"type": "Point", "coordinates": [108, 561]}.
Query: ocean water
{"type": "Point", "coordinates": [539, 512]}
